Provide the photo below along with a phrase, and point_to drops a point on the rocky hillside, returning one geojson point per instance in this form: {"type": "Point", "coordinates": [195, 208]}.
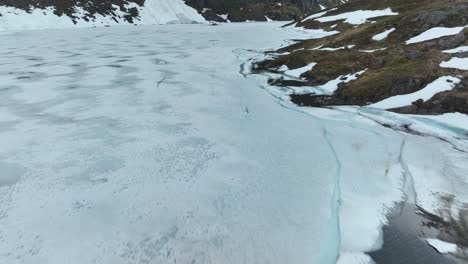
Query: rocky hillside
{"type": "Point", "coordinates": [38, 14]}
{"type": "Point", "coordinates": [405, 56]}
{"type": "Point", "coordinates": [90, 8]}
{"type": "Point", "coordinates": [258, 10]}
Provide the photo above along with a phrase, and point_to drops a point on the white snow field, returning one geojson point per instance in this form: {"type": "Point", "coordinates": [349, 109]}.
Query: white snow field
{"type": "Point", "coordinates": [441, 84]}
{"type": "Point", "coordinates": [149, 145]}
{"type": "Point", "coordinates": [456, 63]}
{"type": "Point", "coordinates": [435, 33]}
{"type": "Point", "coordinates": [457, 50]}
{"type": "Point", "coordinates": [383, 35]}
{"type": "Point", "coordinates": [153, 12]}
{"type": "Point", "coordinates": [296, 73]}
{"type": "Point", "coordinates": [357, 17]}
{"type": "Point", "coordinates": [442, 247]}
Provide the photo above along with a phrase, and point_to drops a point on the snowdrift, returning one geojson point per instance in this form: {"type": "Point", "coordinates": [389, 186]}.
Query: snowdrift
{"type": "Point", "coordinates": [153, 12]}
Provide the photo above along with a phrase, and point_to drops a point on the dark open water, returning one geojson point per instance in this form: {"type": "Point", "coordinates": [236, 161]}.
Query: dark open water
{"type": "Point", "coordinates": [404, 241]}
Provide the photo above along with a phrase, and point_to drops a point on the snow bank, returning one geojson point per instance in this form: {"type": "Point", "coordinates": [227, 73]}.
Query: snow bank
{"type": "Point", "coordinates": [442, 84]}
{"type": "Point", "coordinates": [457, 50]}
{"type": "Point", "coordinates": [372, 50]}
{"type": "Point", "coordinates": [316, 15]}
{"type": "Point", "coordinates": [335, 49]}
{"type": "Point", "coordinates": [154, 12]}
{"type": "Point", "coordinates": [442, 246]}
{"type": "Point", "coordinates": [312, 33]}
{"type": "Point", "coordinates": [456, 63]}
{"type": "Point", "coordinates": [135, 173]}
{"type": "Point", "coordinates": [383, 35]}
{"type": "Point", "coordinates": [354, 258]}
{"type": "Point", "coordinates": [358, 17]}
{"type": "Point", "coordinates": [296, 73]}
{"type": "Point", "coordinates": [331, 86]}
{"type": "Point", "coordinates": [434, 33]}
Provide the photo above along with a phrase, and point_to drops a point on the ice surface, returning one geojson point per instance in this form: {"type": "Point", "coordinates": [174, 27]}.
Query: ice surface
{"type": "Point", "coordinates": [456, 120]}
{"type": "Point", "coordinates": [148, 145]}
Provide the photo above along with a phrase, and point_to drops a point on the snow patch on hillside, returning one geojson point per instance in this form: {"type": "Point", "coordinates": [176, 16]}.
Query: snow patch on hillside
{"type": "Point", "coordinates": [317, 15]}
{"type": "Point", "coordinates": [331, 86]}
{"type": "Point", "coordinates": [435, 33]}
{"type": "Point", "coordinates": [354, 258]}
{"type": "Point", "coordinates": [457, 50]}
{"type": "Point", "coordinates": [456, 63]}
{"type": "Point", "coordinates": [383, 35]}
{"type": "Point", "coordinates": [296, 73]}
{"type": "Point", "coordinates": [442, 84]}
{"type": "Point", "coordinates": [441, 246]}
{"type": "Point", "coordinates": [358, 17]}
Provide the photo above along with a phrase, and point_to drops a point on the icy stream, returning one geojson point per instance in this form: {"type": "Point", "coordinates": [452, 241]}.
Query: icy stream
{"type": "Point", "coordinates": [146, 145]}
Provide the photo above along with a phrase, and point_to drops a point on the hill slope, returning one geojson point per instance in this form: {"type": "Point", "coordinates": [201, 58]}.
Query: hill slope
{"type": "Point", "coordinates": [258, 10]}
{"type": "Point", "coordinates": [36, 14]}
{"type": "Point", "coordinates": [407, 56]}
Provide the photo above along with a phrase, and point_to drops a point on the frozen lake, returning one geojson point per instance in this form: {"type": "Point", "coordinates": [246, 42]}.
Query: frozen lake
{"type": "Point", "coordinates": [146, 145]}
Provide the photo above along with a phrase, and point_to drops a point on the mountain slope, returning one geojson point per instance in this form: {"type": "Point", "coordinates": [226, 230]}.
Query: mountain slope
{"type": "Point", "coordinates": [258, 10]}
{"type": "Point", "coordinates": [381, 49]}
{"type": "Point", "coordinates": [35, 14]}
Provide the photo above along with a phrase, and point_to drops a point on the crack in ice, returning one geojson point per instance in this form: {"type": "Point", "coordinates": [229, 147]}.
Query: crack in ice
{"type": "Point", "coordinates": [334, 224]}
{"type": "Point", "coordinates": [408, 181]}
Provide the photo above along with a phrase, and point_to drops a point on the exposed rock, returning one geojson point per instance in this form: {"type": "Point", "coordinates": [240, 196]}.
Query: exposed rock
{"type": "Point", "coordinates": [452, 42]}
{"type": "Point", "coordinates": [414, 54]}
{"type": "Point", "coordinates": [316, 100]}
{"type": "Point", "coordinates": [431, 19]}
{"type": "Point", "coordinates": [441, 103]}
